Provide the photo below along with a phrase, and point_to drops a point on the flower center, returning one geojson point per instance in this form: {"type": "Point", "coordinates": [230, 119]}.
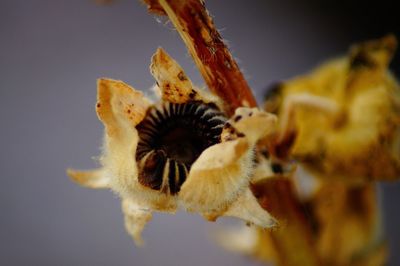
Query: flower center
{"type": "Point", "coordinates": [171, 137]}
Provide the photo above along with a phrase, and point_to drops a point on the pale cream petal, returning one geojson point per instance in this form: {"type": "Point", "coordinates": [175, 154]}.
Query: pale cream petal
{"type": "Point", "coordinates": [137, 215]}
{"type": "Point", "coordinates": [91, 178]}
{"type": "Point", "coordinates": [247, 208]}
{"type": "Point", "coordinates": [217, 176]}
{"type": "Point", "coordinates": [175, 86]}
{"type": "Point", "coordinates": [253, 123]}
{"type": "Point", "coordinates": [221, 174]}
{"type": "Point", "coordinates": [119, 106]}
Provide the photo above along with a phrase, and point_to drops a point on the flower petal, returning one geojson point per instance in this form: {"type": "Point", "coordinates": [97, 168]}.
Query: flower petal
{"type": "Point", "coordinates": [218, 180]}
{"type": "Point", "coordinates": [119, 106]}
{"type": "Point", "coordinates": [247, 208]}
{"type": "Point", "coordinates": [91, 178]}
{"type": "Point", "coordinates": [175, 86]}
{"type": "Point", "coordinates": [136, 218]}
{"type": "Point", "coordinates": [217, 176]}
{"type": "Point", "coordinates": [253, 123]}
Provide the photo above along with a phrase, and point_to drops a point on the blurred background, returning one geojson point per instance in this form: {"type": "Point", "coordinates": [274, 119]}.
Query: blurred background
{"type": "Point", "coordinates": [52, 52]}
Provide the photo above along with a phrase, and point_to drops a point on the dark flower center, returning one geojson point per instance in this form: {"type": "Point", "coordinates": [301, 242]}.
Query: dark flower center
{"type": "Point", "coordinates": [171, 137]}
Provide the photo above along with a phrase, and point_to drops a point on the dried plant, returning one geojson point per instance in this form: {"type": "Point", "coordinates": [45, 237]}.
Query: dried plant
{"type": "Point", "coordinates": [305, 166]}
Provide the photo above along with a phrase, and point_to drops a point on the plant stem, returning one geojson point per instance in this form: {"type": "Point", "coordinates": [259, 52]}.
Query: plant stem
{"type": "Point", "coordinates": [211, 55]}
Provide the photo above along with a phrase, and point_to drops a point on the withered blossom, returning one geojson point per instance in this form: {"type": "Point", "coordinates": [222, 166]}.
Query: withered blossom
{"type": "Point", "coordinates": [208, 154]}
{"type": "Point", "coordinates": [341, 121]}
{"type": "Point", "coordinates": [180, 152]}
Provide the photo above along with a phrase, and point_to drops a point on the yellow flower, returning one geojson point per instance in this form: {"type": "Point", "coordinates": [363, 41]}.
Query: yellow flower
{"type": "Point", "coordinates": [181, 152]}
{"type": "Point", "coordinates": [341, 121]}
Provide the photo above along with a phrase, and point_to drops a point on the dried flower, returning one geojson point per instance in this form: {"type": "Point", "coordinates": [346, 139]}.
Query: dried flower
{"type": "Point", "coordinates": [203, 153]}
{"type": "Point", "coordinates": [342, 120]}
{"type": "Point", "coordinates": [181, 151]}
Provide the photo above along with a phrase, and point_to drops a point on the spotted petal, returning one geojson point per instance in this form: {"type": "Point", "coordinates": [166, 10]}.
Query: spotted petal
{"type": "Point", "coordinates": [174, 84]}
{"type": "Point", "coordinates": [119, 106]}
{"type": "Point", "coordinates": [218, 180]}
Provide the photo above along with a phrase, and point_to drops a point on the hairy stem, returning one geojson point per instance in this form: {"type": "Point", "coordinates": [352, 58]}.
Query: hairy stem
{"type": "Point", "coordinates": [211, 55]}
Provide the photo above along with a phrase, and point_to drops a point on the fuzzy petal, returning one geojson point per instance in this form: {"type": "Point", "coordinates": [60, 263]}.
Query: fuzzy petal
{"type": "Point", "coordinates": [91, 178]}
{"type": "Point", "coordinates": [247, 208]}
{"type": "Point", "coordinates": [119, 106]}
{"type": "Point", "coordinates": [253, 123]}
{"type": "Point", "coordinates": [217, 176]}
{"type": "Point", "coordinates": [175, 86]}
{"type": "Point", "coordinates": [136, 218]}
{"type": "Point", "coordinates": [220, 176]}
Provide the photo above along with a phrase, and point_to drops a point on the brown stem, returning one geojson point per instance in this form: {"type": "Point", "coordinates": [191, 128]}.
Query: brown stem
{"type": "Point", "coordinates": [211, 55]}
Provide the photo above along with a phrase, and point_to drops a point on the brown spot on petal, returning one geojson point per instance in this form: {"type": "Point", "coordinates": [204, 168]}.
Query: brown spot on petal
{"type": "Point", "coordinates": [240, 135]}
{"type": "Point", "coordinates": [227, 125]}
{"type": "Point", "coordinates": [237, 118]}
{"type": "Point", "coordinates": [182, 76]}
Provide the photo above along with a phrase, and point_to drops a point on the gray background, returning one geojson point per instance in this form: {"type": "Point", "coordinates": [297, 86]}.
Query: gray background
{"type": "Point", "coordinates": [52, 52]}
